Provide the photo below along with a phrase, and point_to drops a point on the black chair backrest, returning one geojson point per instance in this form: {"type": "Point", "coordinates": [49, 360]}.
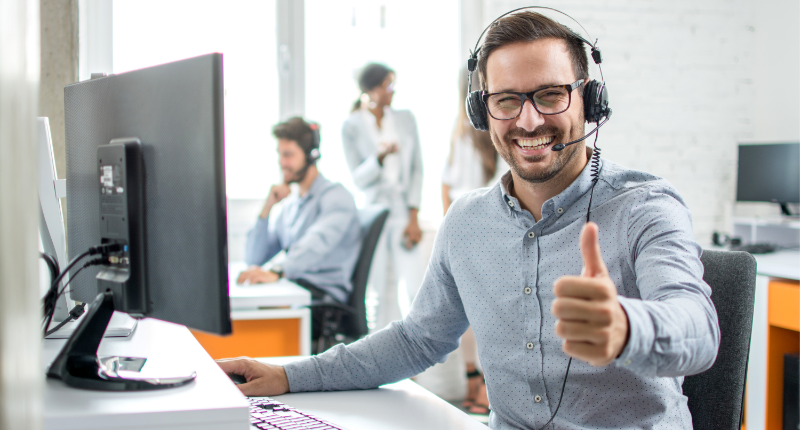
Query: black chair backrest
{"type": "Point", "coordinates": [372, 218]}
{"type": "Point", "coordinates": [716, 396]}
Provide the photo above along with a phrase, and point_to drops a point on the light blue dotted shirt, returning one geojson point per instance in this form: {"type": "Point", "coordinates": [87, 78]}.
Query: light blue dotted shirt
{"type": "Point", "coordinates": [493, 267]}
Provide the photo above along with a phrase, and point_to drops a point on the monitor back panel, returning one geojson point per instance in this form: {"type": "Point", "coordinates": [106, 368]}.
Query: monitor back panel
{"type": "Point", "coordinates": [176, 110]}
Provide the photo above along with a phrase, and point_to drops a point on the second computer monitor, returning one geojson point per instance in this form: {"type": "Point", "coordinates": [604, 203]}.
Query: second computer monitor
{"type": "Point", "coordinates": [769, 173]}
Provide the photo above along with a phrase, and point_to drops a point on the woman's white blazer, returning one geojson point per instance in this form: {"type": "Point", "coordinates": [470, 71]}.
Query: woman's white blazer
{"type": "Point", "coordinates": [361, 154]}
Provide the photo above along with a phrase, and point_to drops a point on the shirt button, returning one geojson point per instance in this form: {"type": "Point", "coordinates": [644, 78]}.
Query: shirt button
{"type": "Point", "coordinates": [529, 345]}
{"type": "Point", "coordinates": [537, 399]}
{"type": "Point", "coordinates": [531, 235]}
{"type": "Point", "coordinates": [560, 210]}
{"type": "Point", "coordinates": [627, 362]}
{"type": "Point", "coordinates": [510, 203]}
{"type": "Point", "coordinates": [527, 290]}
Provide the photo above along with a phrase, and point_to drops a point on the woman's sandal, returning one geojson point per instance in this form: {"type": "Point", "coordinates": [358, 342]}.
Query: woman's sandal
{"type": "Point", "coordinates": [480, 405]}
{"type": "Point", "coordinates": [474, 377]}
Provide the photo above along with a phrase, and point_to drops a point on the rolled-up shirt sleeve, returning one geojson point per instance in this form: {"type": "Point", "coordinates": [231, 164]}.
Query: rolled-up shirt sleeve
{"type": "Point", "coordinates": [405, 348]}
{"type": "Point", "coordinates": [673, 328]}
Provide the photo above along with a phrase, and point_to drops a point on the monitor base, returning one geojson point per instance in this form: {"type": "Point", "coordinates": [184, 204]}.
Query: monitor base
{"type": "Point", "coordinates": [79, 366]}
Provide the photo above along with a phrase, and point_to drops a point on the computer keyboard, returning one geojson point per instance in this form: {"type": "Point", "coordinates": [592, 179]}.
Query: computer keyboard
{"type": "Point", "coordinates": [266, 413]}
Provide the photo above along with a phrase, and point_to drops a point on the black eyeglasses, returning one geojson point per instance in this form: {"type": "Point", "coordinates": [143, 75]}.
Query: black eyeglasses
{"type": "Point", "coordinates": [547, 101]}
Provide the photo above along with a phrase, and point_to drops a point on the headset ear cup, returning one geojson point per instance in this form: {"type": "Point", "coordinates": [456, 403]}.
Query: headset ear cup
{"type": "Point", "coordinates": [595, 107]}
{"type": "Point", "coordinates": [476, 111]}
{"type": "Point", "coordinates": [313, 156]}
{"type": "Point", "coordinates": [589, 101]}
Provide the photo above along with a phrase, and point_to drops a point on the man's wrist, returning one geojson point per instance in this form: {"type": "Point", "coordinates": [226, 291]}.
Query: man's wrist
{"type": "Point", "coordinates": [278, 270]}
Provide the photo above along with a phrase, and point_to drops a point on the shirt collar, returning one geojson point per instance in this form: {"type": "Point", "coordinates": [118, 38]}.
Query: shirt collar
{"type": "Point", "coordinates": [319, 184]}
{"type": "Point", "coordinates": [580, 186]}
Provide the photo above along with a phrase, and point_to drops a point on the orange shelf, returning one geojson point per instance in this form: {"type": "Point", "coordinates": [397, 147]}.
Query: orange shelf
{"type": "Point", "coordinates": [782, 338]}
{"type": "Point", "coordinates": [255, 338]}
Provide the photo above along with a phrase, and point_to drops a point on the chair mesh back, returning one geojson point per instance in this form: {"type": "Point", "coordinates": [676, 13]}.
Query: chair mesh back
{"type": "Point", "coordinates": [372, 218]}
{"type": "Point", "coordinates": [716, 396]}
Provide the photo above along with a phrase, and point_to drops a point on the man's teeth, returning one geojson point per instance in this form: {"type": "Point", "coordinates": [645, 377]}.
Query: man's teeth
{"type": "Point", "coordinates": [534, 143]}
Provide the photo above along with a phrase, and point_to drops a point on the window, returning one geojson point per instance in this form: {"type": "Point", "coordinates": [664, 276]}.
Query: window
{"type": "Point", "coordinates": [151, 32]}
{"type": "Point", "coordinates": [419, 40]}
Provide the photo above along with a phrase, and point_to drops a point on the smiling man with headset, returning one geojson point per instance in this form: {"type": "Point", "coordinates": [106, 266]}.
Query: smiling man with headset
{"type": "Point", "coordinates": [539, 283]}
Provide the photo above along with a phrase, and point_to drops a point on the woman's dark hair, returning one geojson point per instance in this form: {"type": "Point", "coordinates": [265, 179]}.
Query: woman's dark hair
{"type": "Point", "coordinates": [481, 140]}
{"type": "Point", "coordinates": [371, 76]}
{"type": "Point", "coordinates": [298, 130]}
{"type": "Point", "coordinates": [526, 27]}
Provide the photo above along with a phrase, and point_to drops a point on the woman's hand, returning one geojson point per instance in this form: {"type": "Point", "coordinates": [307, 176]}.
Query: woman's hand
{"type": "Point", "coordinates": [412, 234]}
{"type": "Point", "coordinates": [385, 149]}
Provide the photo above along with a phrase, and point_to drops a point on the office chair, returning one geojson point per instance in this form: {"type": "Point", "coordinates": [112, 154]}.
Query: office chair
{"type": "Point", "coordinates": [349, 322]}
{"type": "Point", "coordinates": [716, 396]}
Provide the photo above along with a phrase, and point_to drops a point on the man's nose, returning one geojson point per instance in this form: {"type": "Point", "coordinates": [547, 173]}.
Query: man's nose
{"type": "Point", "coordinates": [529, 118]}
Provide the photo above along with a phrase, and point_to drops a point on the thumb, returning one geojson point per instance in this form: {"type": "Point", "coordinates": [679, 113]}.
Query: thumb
{"type": "Point", "coordinates": [593, 264]}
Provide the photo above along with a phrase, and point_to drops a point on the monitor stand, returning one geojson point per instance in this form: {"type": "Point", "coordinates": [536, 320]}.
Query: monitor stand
{"type": "Point", "coordinates": [79, 366]}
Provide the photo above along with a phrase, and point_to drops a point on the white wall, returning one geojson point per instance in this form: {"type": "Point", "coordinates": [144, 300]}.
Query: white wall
{"type": "Point", "coordinates": [688, 81]}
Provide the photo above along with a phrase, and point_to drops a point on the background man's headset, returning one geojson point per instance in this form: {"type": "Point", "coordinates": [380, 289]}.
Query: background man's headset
{"type": "Point", "coordinates": [595, 110]}
{"type": "Point", "coordinates": [312, 154]}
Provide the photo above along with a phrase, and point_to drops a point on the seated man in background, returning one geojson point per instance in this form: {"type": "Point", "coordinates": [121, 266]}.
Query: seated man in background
{"type": "Point", "coordinates": [318, 226]}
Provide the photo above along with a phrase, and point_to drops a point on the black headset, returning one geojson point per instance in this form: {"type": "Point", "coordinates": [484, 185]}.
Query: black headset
{"type": "Point", "coordinates": [595, 94]}
{"type": "Point", "coordinates": [312, 155]}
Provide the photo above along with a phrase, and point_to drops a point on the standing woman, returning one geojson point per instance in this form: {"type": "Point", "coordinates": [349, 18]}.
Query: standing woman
{"type": "Point", "coordinates": [473, 162]}
{"type": "Point", "coordinates": [382, 149]}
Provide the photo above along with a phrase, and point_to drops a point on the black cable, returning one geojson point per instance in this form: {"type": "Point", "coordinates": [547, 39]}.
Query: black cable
{"type": "Point", "coordinates": [94, 262]}
{"type": "Point", "coordinates": [595, 168]}
{"type": "Point", "coordinates": [74, 314]}
{"type": "Point", "coordinates": [51, 298]}
{"type": "Point", "coordinates": [595, 174]}
{"type": "Point", "coordinates": [52, 265]}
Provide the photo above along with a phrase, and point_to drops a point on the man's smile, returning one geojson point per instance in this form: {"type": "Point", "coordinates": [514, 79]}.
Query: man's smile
{"type": "Point", "coordinates": [534, 143]}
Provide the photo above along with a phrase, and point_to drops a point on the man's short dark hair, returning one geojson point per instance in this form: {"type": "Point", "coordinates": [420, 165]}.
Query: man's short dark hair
{"type": "Point", "coordinates": [296, 129]}
{"type": "Point", "coordinates": [529, 26]}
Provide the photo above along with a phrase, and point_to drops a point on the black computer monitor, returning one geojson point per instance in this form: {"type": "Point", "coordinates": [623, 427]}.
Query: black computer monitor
{"type": "Point", "coordinates": [769, 173]}
{"type": "Point", "coordinates": [167, 213]}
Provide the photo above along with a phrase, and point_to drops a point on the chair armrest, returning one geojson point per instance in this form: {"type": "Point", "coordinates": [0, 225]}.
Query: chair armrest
{"type": "Point", "coordinates": [332, 305]}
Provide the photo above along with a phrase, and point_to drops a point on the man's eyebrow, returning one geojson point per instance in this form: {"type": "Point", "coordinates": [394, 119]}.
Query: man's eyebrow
{"type": "Point", "coordinates": [512, 90]}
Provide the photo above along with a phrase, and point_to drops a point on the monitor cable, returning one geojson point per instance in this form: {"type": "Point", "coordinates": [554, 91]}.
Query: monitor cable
{"type": "Point", "coordinates": [51, 298]}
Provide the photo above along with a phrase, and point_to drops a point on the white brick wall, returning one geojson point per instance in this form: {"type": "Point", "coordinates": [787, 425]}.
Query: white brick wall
{"type": "Point", "coordinates": [680, 78]}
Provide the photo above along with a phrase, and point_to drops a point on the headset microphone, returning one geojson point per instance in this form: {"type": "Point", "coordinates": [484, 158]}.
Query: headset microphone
{"type": "Point", "coordinates": [561, 146]}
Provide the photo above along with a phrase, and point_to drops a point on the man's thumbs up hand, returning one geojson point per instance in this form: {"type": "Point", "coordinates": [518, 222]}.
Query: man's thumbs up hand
{"type": "Point", "coordinates": [591, 321]}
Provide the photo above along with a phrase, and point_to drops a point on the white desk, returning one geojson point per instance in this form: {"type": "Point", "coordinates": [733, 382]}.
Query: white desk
{"type": "Point", "coordinates": [279, 300]}
{"type": "Point", "coordinates": [212, 401]}
{"type": "Point", "coordinates": [784, 264]}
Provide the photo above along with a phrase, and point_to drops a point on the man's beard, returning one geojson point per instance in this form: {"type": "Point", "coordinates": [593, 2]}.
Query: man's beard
{"type": "Point", "coordinates": [562, 158]}
{"type": "Point", "coordinates": [297, 175]}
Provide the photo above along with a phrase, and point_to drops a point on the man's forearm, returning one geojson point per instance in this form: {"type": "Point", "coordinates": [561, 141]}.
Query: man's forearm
{"type": "Point", "coordinates": [384, 357]}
